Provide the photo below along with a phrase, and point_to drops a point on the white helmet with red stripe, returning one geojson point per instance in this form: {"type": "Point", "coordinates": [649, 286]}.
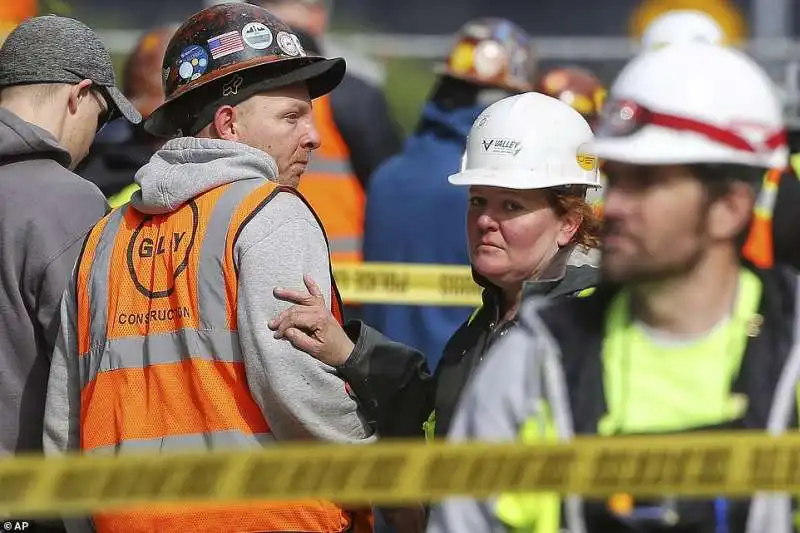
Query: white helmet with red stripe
{"type": "Point", "coordinates": [693, 103]}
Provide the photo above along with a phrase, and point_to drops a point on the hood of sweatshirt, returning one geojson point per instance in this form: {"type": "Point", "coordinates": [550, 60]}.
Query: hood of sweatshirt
{"type": "Point", "coordinates": [186, 167]}
{"type": "Point", "coordinates": [22, 140]}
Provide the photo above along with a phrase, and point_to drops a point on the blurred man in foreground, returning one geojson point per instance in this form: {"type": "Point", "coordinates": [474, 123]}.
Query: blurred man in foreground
{"type": "Point", "coordinates": [682, 335]}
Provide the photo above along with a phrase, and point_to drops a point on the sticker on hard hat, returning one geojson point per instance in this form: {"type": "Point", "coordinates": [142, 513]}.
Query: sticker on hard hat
{"type": "Point", "coordinates": [288, 44]}
{"type": "Point", "coordinates": [461, 60]}
{"type": "Point", "coordinates": [192, 63]}
{"type": "Point", "coordinates": [490, 59]}
{"type": "Point", "coordinates": [225, 44]}
{"type": "Point", "coordinates": [620, 118]}
{"type": "Point", "coordinates": [586, 160]}
{"type": "Point", "coordinates": [502, 146]}
{"type": "Point", "coordinates": [257, 35]}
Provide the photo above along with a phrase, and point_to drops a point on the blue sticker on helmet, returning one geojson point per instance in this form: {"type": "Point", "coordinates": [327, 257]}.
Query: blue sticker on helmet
{"type": "Point", "coordinates": [192, 63]}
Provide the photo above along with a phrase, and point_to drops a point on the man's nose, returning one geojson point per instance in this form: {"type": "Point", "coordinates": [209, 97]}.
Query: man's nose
{"type": "Point", "coordinates": [311, 140]}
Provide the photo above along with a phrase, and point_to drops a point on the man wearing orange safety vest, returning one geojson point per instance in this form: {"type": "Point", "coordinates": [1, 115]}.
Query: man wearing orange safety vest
{"type": "Point", "coordinates": [330, 183]}
{"type": "Point", "coordinates": [164, 343]}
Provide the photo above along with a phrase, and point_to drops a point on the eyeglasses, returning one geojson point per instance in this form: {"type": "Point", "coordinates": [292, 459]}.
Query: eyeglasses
{"type": "Point", "coordinates": [625, 117]}
{"type": "Point", "coordinates": [104, 102]}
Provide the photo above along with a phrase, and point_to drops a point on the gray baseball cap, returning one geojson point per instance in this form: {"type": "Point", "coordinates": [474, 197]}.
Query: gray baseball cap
{"type": "Point", "coordinates": [52, 49]}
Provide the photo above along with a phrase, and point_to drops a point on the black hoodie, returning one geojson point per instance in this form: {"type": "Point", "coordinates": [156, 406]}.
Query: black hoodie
{"type": "Point", "coordinates": [45, 212]}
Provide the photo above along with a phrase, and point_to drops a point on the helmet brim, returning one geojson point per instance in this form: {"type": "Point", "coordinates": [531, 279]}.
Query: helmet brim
{"type": "Point", "coordinates": [520, 180]}
{"type": "Point", "coordinates": [320, 75]}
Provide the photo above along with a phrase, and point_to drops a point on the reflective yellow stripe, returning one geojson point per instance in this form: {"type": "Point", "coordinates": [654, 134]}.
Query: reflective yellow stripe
{"type": "Point", "coordinates": [532, 513]}
{"type": "Point", "coordinates": [123, 196]}
{"type": "Point", "coordinates": [585, 292]}
{"type": "Point", "coordinates": [429, 426]}
{"type": "Point", "coordinates": [794, 161]}
{"type": "Point", "coordinates": [474, 314]}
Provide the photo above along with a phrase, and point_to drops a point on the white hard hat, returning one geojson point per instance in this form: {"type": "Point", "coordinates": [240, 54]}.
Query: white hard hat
{"type": "Point", "coordinates": [693, 103]}
{"type": "Point", "coordinates": [682, 26]}
{"type": "Point", "coordinates": [529, 141]}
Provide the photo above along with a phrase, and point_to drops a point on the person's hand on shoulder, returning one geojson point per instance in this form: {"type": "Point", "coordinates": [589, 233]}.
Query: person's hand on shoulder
{"type": "Point", "coordinates": [310, 327]}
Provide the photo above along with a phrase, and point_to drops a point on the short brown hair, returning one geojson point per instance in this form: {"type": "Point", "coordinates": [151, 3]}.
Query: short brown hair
{"type": "Point", "coordinates": [588, 234]}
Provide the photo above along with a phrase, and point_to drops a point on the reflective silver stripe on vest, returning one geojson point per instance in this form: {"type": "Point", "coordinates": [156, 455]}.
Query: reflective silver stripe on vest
{"type": "Point", "coordinates": [765, 204]}
{"type": "Point", "coordinates": [98, 289]}
{"type": "Point", "coordinates": [194, 441]}
{"type": "Point", "coordinates": [211, 284]}
{"type": "Point", "coordinates": [345, 244]}
{"type": "Point", "coordinates": [163, 348]}
{"type": "Point", "coordinates": [325, 165]}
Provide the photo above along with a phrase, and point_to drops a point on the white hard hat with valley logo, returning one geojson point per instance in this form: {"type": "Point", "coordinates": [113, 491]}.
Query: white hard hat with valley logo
{"type": "Point", "coordinates": [529, 141]}
{"type": "Point", "coordinates": [691, 103]}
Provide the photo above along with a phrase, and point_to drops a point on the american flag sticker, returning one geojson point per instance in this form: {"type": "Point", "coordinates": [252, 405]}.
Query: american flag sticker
{"type": "Point", "coordinates": [227, 43]}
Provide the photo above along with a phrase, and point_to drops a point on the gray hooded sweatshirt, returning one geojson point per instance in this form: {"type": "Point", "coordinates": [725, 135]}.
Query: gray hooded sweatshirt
{"type": "Point", "coordinates": [300, 397]}
{"type": "Point", "coordinates": [45, 212]}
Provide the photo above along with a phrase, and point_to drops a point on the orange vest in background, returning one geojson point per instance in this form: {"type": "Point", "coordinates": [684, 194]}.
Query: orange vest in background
{"type": "Point", "coordinates": [160, 361]}
{"type": "Point", "coordinates": [333, 190]}
{"type": "Point", "coordinates": [12, 12]}
{"type": "Point", "coordinates": [759, 247]}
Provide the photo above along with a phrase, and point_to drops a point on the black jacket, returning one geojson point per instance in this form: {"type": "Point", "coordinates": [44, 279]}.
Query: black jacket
{"type": "Point", "coordinates": [392, 382]}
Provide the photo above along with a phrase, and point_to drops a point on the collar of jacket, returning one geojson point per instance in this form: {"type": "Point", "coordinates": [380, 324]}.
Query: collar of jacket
{"type": "Point", "coordinates": [186, 167]}
{"type": "Point", "coordinates": [571, 270]}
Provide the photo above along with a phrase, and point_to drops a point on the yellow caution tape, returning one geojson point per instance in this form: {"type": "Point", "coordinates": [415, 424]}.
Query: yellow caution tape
{"type": "Point", "coordinates": [405, 283]}
{"type": "Point", "coordinates": [732, 464]}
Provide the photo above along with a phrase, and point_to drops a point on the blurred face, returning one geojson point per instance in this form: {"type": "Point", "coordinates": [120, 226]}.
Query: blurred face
{"type": "Point", "coordinates": [312, 19]}
{"type": "Point", "coordinates": [87, 112]}
{"type": "Point", "coordinates": [513, 234]}
{"type": "Point", "coordinates": [280, 123]}
{"type": "Point", "coordinates": [660, 221]}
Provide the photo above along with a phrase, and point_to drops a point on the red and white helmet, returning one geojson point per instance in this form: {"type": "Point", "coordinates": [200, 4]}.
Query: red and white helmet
{"type": "Point", "coordinates": [693, 103]}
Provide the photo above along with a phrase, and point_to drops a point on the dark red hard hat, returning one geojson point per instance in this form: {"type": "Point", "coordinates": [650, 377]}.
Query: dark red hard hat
{"type": "Point", "coordinates": [577, 87]}
{"type": "Point", "coordinates": [226, 53]}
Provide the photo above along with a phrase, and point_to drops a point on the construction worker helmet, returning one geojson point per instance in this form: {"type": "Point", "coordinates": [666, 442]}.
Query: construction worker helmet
{"type": "Point", "coordinates": [682, 26]}
{"type": "Point", "coordinates": [492, 52]}
{"type": "Point", "coordinates": [227, 53]}
{"type": "Point", "coordinates": [529, 141]}
{"type": "Point", "coordinates": [576, 87]}
{"type": "Point", "coordinates": [691, 103]}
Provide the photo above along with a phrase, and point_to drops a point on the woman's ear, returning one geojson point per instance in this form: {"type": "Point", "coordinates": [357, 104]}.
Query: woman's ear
{"type": "Point", "coordinates": [570, 223]}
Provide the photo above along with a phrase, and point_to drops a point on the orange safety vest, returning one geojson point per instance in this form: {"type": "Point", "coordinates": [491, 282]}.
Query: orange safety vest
{"type": "Point", "coordinates": [161, 365]}
{"type": "Point", "coordinates": [759, 246]}
{"type": "Point", "coordinates": [333, 190]}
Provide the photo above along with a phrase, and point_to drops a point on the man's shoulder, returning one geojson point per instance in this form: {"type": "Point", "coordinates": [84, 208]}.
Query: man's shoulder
{"type": "Point", "coordinates": [44, 189]}
{"type": "Point", "coordinates": [283, 208]}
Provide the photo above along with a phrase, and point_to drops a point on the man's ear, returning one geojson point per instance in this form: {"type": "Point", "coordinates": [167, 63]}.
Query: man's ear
{"type": "Point", "coordinates": [77, 94]}
{"type": "Point", "coordinates": [224, 124]}
{"type": "Point", "coordinates": [729, 215]}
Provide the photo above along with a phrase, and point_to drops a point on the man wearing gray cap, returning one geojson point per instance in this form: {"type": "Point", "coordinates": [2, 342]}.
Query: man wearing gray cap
{"type": "Point", "coordinates": [56, 90]}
